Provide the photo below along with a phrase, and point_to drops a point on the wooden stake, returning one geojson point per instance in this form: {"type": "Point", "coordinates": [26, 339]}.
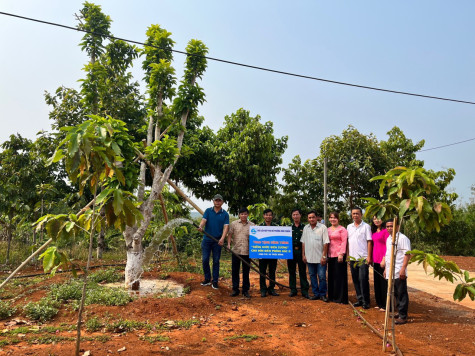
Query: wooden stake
{"type": "Point", "coordinates": [179, 191]}
{"type": "Point", "coordinates": [390, 294]}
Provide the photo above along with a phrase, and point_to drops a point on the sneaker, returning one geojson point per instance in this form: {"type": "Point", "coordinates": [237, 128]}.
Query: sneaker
{"type": "Point", "coordinates": [292, 294]}
{"type": "Point", "coordinates": [314, 297]}
{"type": "Point", "coordinates": [215, 285]}
{"type": "Point", "coordinates": [235, 293]}
{"type": "Point", "coordinates": [358, 304]}
{"type": "Point", "coordinates": [365, 306]}
{"type": "Point", "coordinates": [246, 294]}
{"type": "Point", "coordinates": [206, 282]}
{"type": "Point", "coordinates": [324, 298]}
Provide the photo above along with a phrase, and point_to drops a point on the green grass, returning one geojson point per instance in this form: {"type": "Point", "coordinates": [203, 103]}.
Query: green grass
{"type": "Point", "coordinates": [109, 275]}
{"type": "Point", "coordinates": [154, 338]}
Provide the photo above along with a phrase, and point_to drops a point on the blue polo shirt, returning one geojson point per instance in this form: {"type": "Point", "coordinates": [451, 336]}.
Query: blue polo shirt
{"type": "Point", "coordinates": [215, 222]}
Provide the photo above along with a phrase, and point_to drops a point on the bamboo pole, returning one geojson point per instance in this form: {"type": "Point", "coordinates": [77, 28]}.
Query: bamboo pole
{"type": "Point", "coordinates": [325, 191]}
{"type": "Point", "coordinates": [172, 238]}
{"type": "Point", "coordinates": [25, 262]}
{"type": "Point", "coordinates": [179, 191]}
{"type": "Point", "coordinates": [390, 294]}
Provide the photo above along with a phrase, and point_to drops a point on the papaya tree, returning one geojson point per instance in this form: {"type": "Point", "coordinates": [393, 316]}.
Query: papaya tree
{"type": "Point", "coordinates": [412, 195]}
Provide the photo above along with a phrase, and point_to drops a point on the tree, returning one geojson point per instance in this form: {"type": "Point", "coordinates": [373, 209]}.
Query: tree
{"type": "Point", "coordinates": [411, 195]}
{"type": "Point", "coordinates": [302, 188]}
{"type": "Point", "coordinates": [245, 161]}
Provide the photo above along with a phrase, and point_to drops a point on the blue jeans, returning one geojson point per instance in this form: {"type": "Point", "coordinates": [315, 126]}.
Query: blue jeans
{"type": "Point", "coordinates": [208, 246]}
{"type": "Point", "coordinates": [318, 278]}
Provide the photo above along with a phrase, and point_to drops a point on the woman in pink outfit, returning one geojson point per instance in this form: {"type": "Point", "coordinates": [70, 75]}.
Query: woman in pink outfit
{"type": "Point", "coordinates": [380, 235]}
{"type": "Point", "coordinates": [337, 269]}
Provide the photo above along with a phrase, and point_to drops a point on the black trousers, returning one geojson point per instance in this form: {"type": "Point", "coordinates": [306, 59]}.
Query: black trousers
{"type": "Point", "coordinates": [380, 286]}
{"type": "Point", "coordinates": [235, 268]}
{"type": "Point", "coordinates": [263, 264]}
{"type": "Point", "coordinates": [360, 276]}
{"type": "Point", "coordinates": [292, 266]}
{"type": "Point", "coordinates": [337, 280]}
{"type": "Point", "coordinates": [402, 298]}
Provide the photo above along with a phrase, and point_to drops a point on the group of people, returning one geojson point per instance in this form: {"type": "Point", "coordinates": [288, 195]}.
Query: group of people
{"type": "Point", "coordinates": [320, 249]}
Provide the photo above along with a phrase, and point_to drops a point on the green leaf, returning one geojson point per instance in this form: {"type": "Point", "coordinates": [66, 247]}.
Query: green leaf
{"type": "Point", "coordinates": [57, 156]}
{"type": "Point", "coordinates": [118, 201]}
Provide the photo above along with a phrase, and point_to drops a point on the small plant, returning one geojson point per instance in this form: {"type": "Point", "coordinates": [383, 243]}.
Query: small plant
{"type": "Point", "coordinates": [187, 290]}
{"type": "Point", "coordinates": [110, 275]}
{"type": "Point", "coordinates": [6, 310]}
{"type": "Point", "coordinates": [43, 310]}
{"type": "Point", "coordinates": [203, 339]}
{"type": "Point", "coordinates": [93, 324]}
{"type": "Point", "coordinates": [186, 324]}
{"type": "Point", "coordinates": [246, 337]}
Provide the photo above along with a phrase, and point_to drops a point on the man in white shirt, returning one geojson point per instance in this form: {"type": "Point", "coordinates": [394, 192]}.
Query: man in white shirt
{"type": "Point", "coordinates": [360, 245]}
{"type": "Point", "coordinates": [315, 243]}
{"type": "Point", "coordinates": [403, 244]}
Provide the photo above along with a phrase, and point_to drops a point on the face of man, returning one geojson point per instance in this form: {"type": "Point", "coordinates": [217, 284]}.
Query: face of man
{"type": "Point", "coordinates": [243, 216]}
{"type": "Point", "coordinates": [389, 227]}
{"type": "Point", "coordinates": [312, 219]}
{"type": "Point", "coordinates": [268, 217]}
{"type": "Point", "coordinates": [356, 215]}
{"type": "Point", "coordinates": [296, 216]}
{"type": "Point", "coordinates": [218, 203]}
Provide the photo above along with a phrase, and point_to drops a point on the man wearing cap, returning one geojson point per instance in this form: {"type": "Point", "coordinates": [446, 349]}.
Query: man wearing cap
{"type": "Point", "coordinates": [215, 223]}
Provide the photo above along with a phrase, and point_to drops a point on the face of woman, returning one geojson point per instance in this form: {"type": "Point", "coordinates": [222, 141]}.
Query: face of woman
{"type": "Point", "coordinates": [377, 221]}
{"type": "Point", "coordinates": [333, 220]}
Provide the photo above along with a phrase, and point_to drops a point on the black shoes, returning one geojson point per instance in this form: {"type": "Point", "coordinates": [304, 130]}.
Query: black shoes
{"type": "Point", "coordinates": [235, 293]}
{"type": "Point", "coordinates": [305, 296]}
{"type": "Point", "coordinates": [214, 285]}
{"type": "Point", "coordinates": [358, 304]}
{"type": "Point", "coordinates": [263, 294]}
{"type": "Point", "coordinates": [365, 306]}
{"type": "Point", "coordinates": [314, 297]}
{"type": "Point", "coordinates": [400, 321]}
{"type": "Point", "coordinates": [246, 294]}
{"type": "Point", "coordinates": [273, 293]}
{"type": "Point", "coordinates": [324, 298]}
{"type": "Point", "coordinates": [206, 282]}
{"type": "Point", "coordinates": [292, 294]}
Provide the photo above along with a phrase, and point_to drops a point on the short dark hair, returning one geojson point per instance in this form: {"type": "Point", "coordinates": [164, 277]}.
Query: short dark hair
{"type": "Point", "coordinates": [267, 211]}
{"type": "Point", "coordinates": [243, 210]}
{"type": "Point", "coordinates": [312, 212]}
{"type": "Point", "coordinates": [357, 208]}
{"type": "Point", "coordinates": [296, 209]}
{"type": "Point", "coordinates": [389, 221]}
{"type": "Point", "coordinates": [335, 214]}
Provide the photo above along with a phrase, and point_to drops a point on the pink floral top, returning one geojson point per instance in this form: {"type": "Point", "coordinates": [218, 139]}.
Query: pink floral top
{"type": "Point", "coordinates": [338, 241]}
{"type": "Point", "coordinates": [379, 247]}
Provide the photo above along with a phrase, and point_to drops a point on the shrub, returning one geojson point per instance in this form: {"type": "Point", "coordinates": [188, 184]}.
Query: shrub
{"type": "Point", "coordinates": [43, 310]}
{"type": "Point", "coordinates": [6, 310]}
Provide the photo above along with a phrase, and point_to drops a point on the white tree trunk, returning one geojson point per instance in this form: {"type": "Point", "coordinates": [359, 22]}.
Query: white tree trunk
{"type": "Point", "coordinates": [133, 269]}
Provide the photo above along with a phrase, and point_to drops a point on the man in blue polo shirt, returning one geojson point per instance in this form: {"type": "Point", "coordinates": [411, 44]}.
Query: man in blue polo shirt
{"type": "Point", "coordinates": [216, 223]}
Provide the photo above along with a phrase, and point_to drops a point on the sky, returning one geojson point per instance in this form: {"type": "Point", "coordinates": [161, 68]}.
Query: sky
{"type": "Point", "coordinates": [424, 47]}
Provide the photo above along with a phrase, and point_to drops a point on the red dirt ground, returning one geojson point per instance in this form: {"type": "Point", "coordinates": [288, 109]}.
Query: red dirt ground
{"type": "Point", "coordinates": [284, 325]}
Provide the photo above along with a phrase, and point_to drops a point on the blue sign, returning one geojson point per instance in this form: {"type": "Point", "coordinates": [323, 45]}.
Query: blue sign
{"type": "Point", "coordinates": [270, 242]}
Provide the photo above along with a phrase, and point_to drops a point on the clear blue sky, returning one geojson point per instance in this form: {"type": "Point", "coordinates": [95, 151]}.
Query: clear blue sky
{"type": "Point", "coordinates": [417, 46]}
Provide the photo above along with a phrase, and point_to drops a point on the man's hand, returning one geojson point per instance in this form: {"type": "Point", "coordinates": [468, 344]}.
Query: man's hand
{"type": "Point", "coordinates": [369, 260]}
{"type": "Point", "coordinates": [304, 259]}
{"type": "Point", "coordinates": [323, 261]}
{"type": "Point", "coordinates": [221, 241]}
{"type": "Point", "coordinates": [229, 246]}
{"type": "Point", "coordinates": [200, 229]}
{"type": "Point", "coordinates": [383, 263]}
{"type": "Point", "coordinates": [402, 274]}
